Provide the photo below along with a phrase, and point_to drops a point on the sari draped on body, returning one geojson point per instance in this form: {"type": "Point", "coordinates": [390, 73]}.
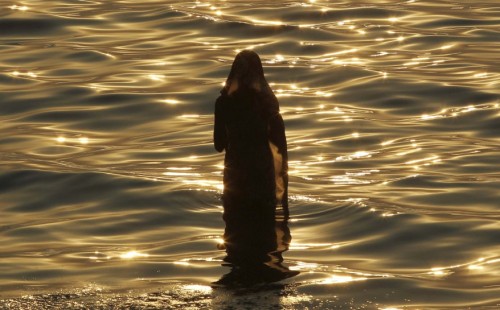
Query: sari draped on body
{"type": "Point", "coordinates": [255, 170]}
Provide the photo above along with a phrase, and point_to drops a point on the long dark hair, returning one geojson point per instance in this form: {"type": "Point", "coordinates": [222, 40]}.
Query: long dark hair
{"type": "Point", "coordinates": [247, 74]}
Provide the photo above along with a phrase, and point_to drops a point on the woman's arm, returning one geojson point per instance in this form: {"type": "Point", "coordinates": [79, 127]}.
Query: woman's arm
{"type": "Point", "coordinates": [220, 138]}
{"type": "Point", "coordinates": [278, 137]}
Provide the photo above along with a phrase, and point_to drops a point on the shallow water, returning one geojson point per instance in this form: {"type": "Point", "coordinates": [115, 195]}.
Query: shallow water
{"type": "Point", "coordinates": [110, 186]}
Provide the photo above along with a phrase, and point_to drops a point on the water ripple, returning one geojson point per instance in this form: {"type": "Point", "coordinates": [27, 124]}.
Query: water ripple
{"type": "Point", "coordinates": [110, 187]}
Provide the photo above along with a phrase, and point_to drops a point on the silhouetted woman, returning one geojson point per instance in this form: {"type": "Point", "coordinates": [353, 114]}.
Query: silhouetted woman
{"type": "Point", "coordinates": [249, 127]}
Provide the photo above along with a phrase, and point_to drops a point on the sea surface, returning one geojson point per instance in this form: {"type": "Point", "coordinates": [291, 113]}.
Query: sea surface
{"type": "Point", "coordinates": [110, 188]}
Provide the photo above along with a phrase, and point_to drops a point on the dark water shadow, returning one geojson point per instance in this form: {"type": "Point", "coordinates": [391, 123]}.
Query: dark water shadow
{"type": "Point", "coordinates": [254, 248]}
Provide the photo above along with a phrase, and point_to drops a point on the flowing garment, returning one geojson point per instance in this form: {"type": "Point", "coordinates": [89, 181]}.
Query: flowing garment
{"type": "Point", "coordinates": [255, 171]}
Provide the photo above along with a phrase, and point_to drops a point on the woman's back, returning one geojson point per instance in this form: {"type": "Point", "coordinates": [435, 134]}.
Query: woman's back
{"type": "Point", "coordinates": [249, 168]}
{"type": "Point", "coordinates": [249, 128]}
{"type": "Point", "coordinates": [246, 129]}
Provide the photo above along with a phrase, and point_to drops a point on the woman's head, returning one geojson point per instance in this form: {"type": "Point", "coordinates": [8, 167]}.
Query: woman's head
{"type": "Point", "coordinates": [246, 72]}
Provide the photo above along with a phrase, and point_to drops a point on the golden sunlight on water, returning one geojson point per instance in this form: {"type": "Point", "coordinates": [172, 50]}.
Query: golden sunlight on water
{"type": "Point", "coordinates": [110, 188]}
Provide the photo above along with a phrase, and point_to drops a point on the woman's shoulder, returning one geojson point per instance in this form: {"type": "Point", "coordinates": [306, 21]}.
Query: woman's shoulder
{"type": "Point", "coordinates": [221, 100]}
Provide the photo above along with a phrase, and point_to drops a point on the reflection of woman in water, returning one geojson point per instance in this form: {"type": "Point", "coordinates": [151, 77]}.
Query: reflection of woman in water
{"type": "Point", "coordinates": [249, 127]}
